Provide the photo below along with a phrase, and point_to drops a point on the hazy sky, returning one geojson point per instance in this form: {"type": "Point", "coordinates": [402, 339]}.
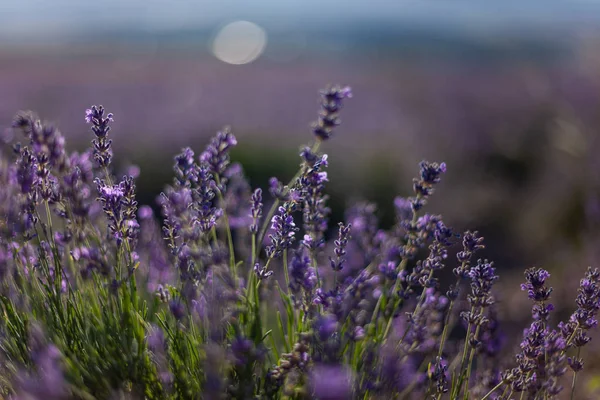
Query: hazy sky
{"type": "Point", "coordinates": [47, 17]}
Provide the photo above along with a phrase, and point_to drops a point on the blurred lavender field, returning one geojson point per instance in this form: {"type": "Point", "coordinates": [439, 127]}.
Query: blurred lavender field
{"type": "Point", "coordinates": [513, 112]}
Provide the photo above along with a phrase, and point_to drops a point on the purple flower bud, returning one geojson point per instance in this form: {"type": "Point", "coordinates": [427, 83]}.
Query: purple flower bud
{"type": "Point", "coordinates": [216, 155]}
{"type": "Point", "coordinates": [100, 126]}
{"type": "Point", "coordinates": [261, 273]}
{"type": "Point", "coordinates": [340, 247]}
{"type": "Point", "coordinates": [331, 103]}
{"type": "Point", "coordinates": [284, 230]}
{"type": "Point", "coordinates": [256, 206]}
{"type": "Point", "coordinates": [536, 290]}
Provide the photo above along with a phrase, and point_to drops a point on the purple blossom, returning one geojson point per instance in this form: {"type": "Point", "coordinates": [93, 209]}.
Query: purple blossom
{"type": "Point", "coordinates": [340, 247]}
{"type": "Point", "coordinates": [284, 230]}
{"type": "Point", "coordinates": [482, 276]}
{"type": "Point", "coordinates": [203, 195]}
{"type": "Point", "coordinates": [256, 206]}
{"type": "Point", "coordinates": [100, 126]}
{"type": "Point", "coordinates": [277, 190]}
{"type": "Point", "coordinates": [331, 102]}
{"type": "Point", "coordinates": [430, 175]}
{"type": "Point", "coordinates": [438, 373]}
{"type": "Point", "coordinates": [186, 169]}
{"type": "Point", "coordinates": [584, 318]}
{"type": "Point", "coordinates": [120, 206]}
{"type": "Point", "coordinates": [555, 367]}
{"type": "Point", "coordinates": [309, 189]}
{"type": "Point", "coordinates": [535, 285]}
{"type": "Point", "coordinates": [216, 155]}
{"type": "Point", "coordinates": [26, 171]}
{"type": "Point", "coordinates": [261, 272]}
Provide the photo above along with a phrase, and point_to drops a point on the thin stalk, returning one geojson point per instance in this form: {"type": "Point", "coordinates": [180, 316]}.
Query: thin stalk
{"type": "Point", "coordinates": [509, 393]}
{"type": "Point", "coordinates": [273, 208]}
{"type": "Point", "coordinates": [313, 260]}
{"type": "Point", "coordinates": [447, 319]}
{"type": "Point", "coordinates": [574, 376]}
{"type": "Point", "coordinates": [488, 394]}
{"type": "Point", "coordinates": [470, 365]}
{"type": "Point", "coordinates": [457, 388]}
{"type": "Point", "coordinates": [285, 271]}
{"type": "Point", "coordinates": [523, 391]}
{"type": "Point", "coordinates": [232, 264]}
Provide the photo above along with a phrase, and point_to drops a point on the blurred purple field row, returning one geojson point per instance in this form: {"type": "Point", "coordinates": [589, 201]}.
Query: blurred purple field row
{"type": "Point", "coordinates": [168, 98]}
{"type": "Point", "coordinates": [519, 138]}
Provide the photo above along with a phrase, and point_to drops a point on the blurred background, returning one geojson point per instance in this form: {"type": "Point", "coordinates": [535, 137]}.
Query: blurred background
{"type": "Point", "coordinates": [506, 93]}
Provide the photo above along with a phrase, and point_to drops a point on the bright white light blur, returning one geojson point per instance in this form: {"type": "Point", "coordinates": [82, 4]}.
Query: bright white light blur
{"type": "Point", "coordinates": [239, 42]}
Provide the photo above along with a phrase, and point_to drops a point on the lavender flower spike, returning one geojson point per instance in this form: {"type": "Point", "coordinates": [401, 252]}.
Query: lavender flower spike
{"type": "Point", "coordinates": [256, 207]}
{"type": "Point", "coordinates": [340, 247]}
{"type": "Point", "coordinates": [216, 155]}
{"type": "Point", "coordinates": [102, 145]}
{"type": "Point", "coordinates": [285, 229]}
{"type": "Point", "coordinates": [331, 103]}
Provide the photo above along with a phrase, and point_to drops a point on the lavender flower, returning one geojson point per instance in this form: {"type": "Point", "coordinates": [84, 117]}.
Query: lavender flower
{"type": "Point", "coordinates": [26, 172]}
{"type": "Point", "coordinates": [100, 126]}
{"type": "Point", "coordinates": [532, 363]}
{"type": "Point", "coordinates": [216, 155]}
{"type": "Point", "coordinates": [303, 281]}
{"type": "Point", "coordinates": [277, 190]}
{"type": "Point", "coordinates": [430, 175]}
{"type": "Point", "coordinates": [261, 272]}
{"type": "Point", "coordinates": [340, 247]}
{"type": "Point", "coordinates": [482, 275]}
{"type": "Point", "coordinates": [438, 373]}
{"type": "Point", "coordinates": [310, 186]}
{"type": "Point", "coordinates": [471, 243]}
{"type": "Point", "coordinates": [538, 292]}
{"type": "Point", "coordinates": [554, 348]}
{"type": "Point", "coordinates": [535, 285]}
{"type": "Point", "coordinates": [331, 102]}
{"type": "Point", "coordinates": [207, 213]}
{"type": "Point", "coordinates": [186, 170]}
{"type": "Point", "coordinates": [256, 210]}
{"type": "Point", "coordinates": [47, 143]}
{"type": "Point", "coordinates": [118, 202]}
{"type": "Point", "coordinates": [284, 230]}
{"type": "Point", "coordinates": [75, 186]}
{"type": "Point", "coordinates": [585, 316]}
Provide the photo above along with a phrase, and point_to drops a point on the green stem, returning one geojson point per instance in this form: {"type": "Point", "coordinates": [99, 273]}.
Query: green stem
{"type": "Point", "coordinates": [457, 388]}
{"type": "Point", "coordinates": [285, 271]}
{"type": "Point", "coordinates": [470, 365]}
{"type": "Point", "coordinates": [232, 264]}
{"type": "Point", "coordinates": [448, 316]}
{"type": "Point", "coordinates": [273, 208]}
{"type": "Point", "coordinates": [488, 394]}
{"type": "Point", "coordinates": [574, 376]}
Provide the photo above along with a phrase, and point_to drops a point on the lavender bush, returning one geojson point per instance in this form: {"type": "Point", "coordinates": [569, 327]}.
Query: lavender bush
{"type": "Point", "coordinates": [222, 297]}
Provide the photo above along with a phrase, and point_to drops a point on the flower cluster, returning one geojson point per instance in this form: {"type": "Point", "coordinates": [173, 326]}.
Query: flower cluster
{"type": "Point", "coordinates": [244, 293]}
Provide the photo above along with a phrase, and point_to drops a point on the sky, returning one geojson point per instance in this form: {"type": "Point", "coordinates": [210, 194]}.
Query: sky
{"type": "Point", "coordinates": [42, 18]}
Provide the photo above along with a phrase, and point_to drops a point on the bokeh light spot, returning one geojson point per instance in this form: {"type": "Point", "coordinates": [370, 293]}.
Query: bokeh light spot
{"type": "Point", "coordinates": [239, 42]}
